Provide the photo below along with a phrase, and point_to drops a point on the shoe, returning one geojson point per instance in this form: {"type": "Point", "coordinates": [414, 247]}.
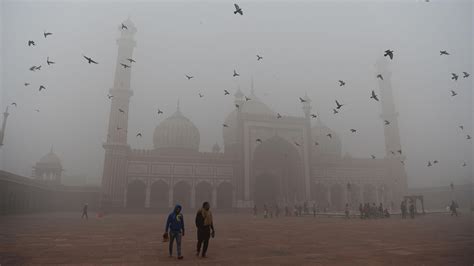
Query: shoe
{"type": "Point", "coordinates": [180, 257]}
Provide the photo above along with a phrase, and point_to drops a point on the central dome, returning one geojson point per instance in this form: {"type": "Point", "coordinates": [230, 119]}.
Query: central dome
{"type": "Point", "coordinates": [176, 132]}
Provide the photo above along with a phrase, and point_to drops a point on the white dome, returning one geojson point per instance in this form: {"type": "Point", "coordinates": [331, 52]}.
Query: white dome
{"type": "Point", "coordinates": [176, 132]}
{"type": "Point", "coordinates": [51, 160]}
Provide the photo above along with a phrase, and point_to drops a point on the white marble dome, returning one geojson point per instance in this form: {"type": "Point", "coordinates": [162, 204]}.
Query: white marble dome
{"type": "Point", "coordinates": [51, 160]}
{"type": "Point", "coordinates": [176, 132]}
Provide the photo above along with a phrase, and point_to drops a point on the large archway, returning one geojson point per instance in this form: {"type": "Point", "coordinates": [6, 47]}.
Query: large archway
{"type": "Point", "coordinates": [203, 193]}
{"type": "Point", "coordinates": [182, 194]}
{"type": "Point", "coordinates": [224, 196]}
{"type": "Point", "coordinates": [136, 194]}
{"type": "Point", "coordinates": [159, 195]}
{"type": "Point", "coordinates": [337, 198]}
{"type": "Point", "coordinates": [277, 173]}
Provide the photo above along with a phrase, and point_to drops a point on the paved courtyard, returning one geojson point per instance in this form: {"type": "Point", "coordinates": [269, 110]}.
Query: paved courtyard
{"type": "Point", "coordinates": [135, 239]}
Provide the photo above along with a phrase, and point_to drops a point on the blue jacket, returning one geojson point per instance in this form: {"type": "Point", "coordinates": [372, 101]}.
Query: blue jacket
{"type": "Point", "coordinates": [175, 221]}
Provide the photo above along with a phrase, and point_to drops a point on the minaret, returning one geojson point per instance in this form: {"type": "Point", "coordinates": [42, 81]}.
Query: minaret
{"type": "Point", "coordinates": [391, 131]}
{"type": "Point", "coordinates": [307, 146]}
{"type": "Point", "coordinates": [4, 125]}
{"type": "Point", "coordinates": [116, 148]}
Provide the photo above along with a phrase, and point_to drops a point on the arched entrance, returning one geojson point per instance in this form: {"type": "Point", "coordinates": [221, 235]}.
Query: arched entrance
{"type": "Point", "coordinates": [224, 196]}
{"type": "Point", "coordinates": [159, 195]}
{"type": "Point", "coordinates": [276, 173]}
{"type": "Point", "coordinates": [337, 194]}
{"type": "Point", "coordinates": [182, 194]}
{"type": "Point", "coordinates": [136, 194]}
{"type": "Point", "coordinates": [369, 194]}
{"type": "Point", "coordinates": [203, 193]}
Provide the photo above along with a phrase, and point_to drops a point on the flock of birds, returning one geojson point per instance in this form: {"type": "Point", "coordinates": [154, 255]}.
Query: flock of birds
{"type": "Point", "coordinates": [238, 10]}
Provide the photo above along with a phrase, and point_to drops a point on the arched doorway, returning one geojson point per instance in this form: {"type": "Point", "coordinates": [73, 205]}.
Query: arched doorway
{"type": "Point", "coordinates": [277, 173]}
{"type": "Point", "coordinates": [159, 195]}
{"type": "Point", "coordinates": [337, 194]}
{"type": "Point", "coordinates": [319, 195]}
{"type": "Point", "coordinates": [224, 196]}
{"type": "Point", "coordinates": [182, 194]}
{"type": "Point", "coordinates": [203, 193]}
{"type": "Point", "coordinates": [369, 194]}
{"type": "Point", "coordinates": [136, 194]}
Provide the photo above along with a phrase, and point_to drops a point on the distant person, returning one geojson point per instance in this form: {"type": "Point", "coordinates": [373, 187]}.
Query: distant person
{"type": "Point", "coordinates": [412, 210]}
{"type": "Point", "coordinates": [386, 214]}
{"type": "Point", "coordinates": [287, 211]}
{"type": "Point", "coordinates": [265, 211]}
{"type": "Point", "coordinates": [255, 210]}
{"type": "Point", "coordinates": [277, 210]}
{"type": "Point", "coordinates": [175, 225]}
{"type": "Point", "coordinates": [205, 228]}
{"type": "Point", "coordinates": [346, 210]}
{"type": "Point", "coordinates": [314, 209]}
{"type": "Point", "coordinates": [403, 209]}
{"type": "Point", "coordinates": [381, 212]}
{"type": "Point", "coordinates": [84, 212]}
{"type": "Point", "coordinates": [271, 211]}
{"type": "Point", "coordinates": [453, 207]}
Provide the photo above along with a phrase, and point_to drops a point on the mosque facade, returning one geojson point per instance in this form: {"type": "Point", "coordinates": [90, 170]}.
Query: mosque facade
{"type": "Point", "coordinates": [265, 159]}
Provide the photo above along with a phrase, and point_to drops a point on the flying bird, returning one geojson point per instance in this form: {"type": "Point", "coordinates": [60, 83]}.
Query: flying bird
{"type": "Point", "coordinates": [118, 128]}
{"type": "Point", "coordinates": [454, 76]}
{"type": "Point", "coordinates": [429, 164]}
{"type": "Point", "coordinates": [189, 77]}
{"type": "Point", "coordinates": [235, 74]}
{"type": "Point", "coordinates": [38, 68]}
{"type": "Point", "coordinates": [353, 130]}
{"type": "Point", "coordinates": [200, 95]}
{"type": "Point", "coordinates": [399, 151]}
{"type": "Point", "coordinates": [380, 76]}
{"type": "Point", "coordinates": [373, 156]}
{"type": "Point", "coordinates": [131, 60]}
{"type": "Point", "coordinates": [237, 106]}
{"type": "Point", "coordinates": [392, 152]}
{"type": "Point", "coordinates": [247, 98]}
{"type": "Point", "coordinates": [14, 104]}
{"type": "Point", "coordinates": [339, 105]}
{"type": "Point", "coordinates": [444, 52]}
{"type": "Point", "coordinates": [302, 100]}
{"type": "Point", "coordinates": [316, 143]}
{"type": "Point", "coordinates": [159, 111]}
{"type": "Point", "coordinates": [341, 83]}
{"type": "Point", "coordinates": [278, 116]}
{"type": "Point", "coordinates": [225, 125]}
{"type": "Point", "coordinates": [259, 58]}
{"type": "Point", "coordinates": [41, 87]}
{"type": "Point", "coordinates": [297, 144]}
{"type": "Point", "coordinates": [386, 122]}
{"type": "Point", "coordinates": [120, 110]}
{"type": "Point", "coordinates": [27, 84]}
{"type": "Point", "coordinates": [238, 10]}
{"type": "Point", "coordinates": [389, 53]}
{"type": "Point", "coordinates": [139, 135]}
{"type": "Point", "coordinates": [453, 93]}
{"type": "Point", "coordinates": [110, 96]}
{"type": "Point", "coordinates": [49, 62]}
{"type": "Point", "coordinates": [89, 60]}
{"type": "Point", "coordinates": [124, 27]}
{"type": "Point", "coordinates": [37, 110]}
{"type": "Point", "coordinates": [335, 111]}
{"type": "Point", "coordinates": [33, 68]}
{"type": "Point", "coordinates": [329, 135]}
{"type": "Point", "coordinates": [258, 140]}
{"type": "Point", "coordinates": [124, 65]}
{"type": "Point", "coordinates": [314, 115]}
{"type": "Point", "coordinates": [461, 127]}
{"type": "Point", "coordinates": [465, 74]}
{"type": "Point", "coordinates": [226, 92]}
{"type": "Point", "coordinates": [464, 164]}
{"type": "Point", "coordinates": [435, 161]}
{"type": "Point", "coordinates": [468, 137]}
{"type": "Point", "coordinates": [31, 43]}
{"type": "Point", "coordinates": [46, 34]}
{"type": "Point", "coordinates": [374, 96]}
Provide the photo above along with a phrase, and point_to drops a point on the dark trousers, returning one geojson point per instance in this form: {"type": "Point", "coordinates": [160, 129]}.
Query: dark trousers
{"type": "Point", "coordinates": [85, 214]}
{"type": "Point", "coordinates": [203, 239]}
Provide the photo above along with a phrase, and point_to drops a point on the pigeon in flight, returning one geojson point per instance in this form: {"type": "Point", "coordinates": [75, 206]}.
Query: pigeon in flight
{"type": "Point", "coordinates": [373, 156]}
{"type": "Point", "coordinates": [461, 127]}
{"type": "Point", "coordinates": [259, 57]}
{"type": "Point", "coordinates": [453, 93]}
{"type": "Point", "coordinates": [27, 84]}
{"type": "Point", "coordinates": [46, 34]}
{"type": "Point", "coordinates": [386, 122]}
{"type": "Point", "coordinates": [313, 116]}
{"type": "Point", "coordinates": [278, 115]}
{"type": "Point", "coordinates": [225, 125]}
{"type": "Point", "coordinates": [435, 161]}
{"type": "Point", "coordinates": [389, 53]}
{"type": "Point", "coordinates": [335, 111]}
{"type": "Point", "coordinates": [399, 151]}
{"type": "Point", "coordinates": [258, 140]}
{"type": "Point", "coordinates": [42, 88]}
{"type": "Point", "coordinates": [302, 100]}
{"type": "Point", "coordinates": [120, 110]}
{"type": "Point", "coordinates": [238, 10]}
{"type": "Point", "coordinates": [464, 164]}
{"type": "Point", "coordinates": [33, 68]}
{"type": "Point", "coordinates": [189, 77]}
{"type": "Point", "coordinates": [124, 27]}
{"type": "Point", "coordinates": [200, 95]}
{"type": "Point", "coordinates": [110, 96]}
{"type": "Point", "coordinates": [454, 76]}
{"type": "Point", "coordinates": [226, 92]}
{"type": "Point", "coordinates": [14, 104]}
{"type": "Point", "coordinates": [379, 76]}
{"type": "Point", "coordinates": [468, 137]}
{"type": "Point", "coordinates": [131, 60]}
{"type": "Point", "coordinates": [118, 128]}
{"type": "Point", "coordinates": [353, 130]}
{"type": "Point", "coordinates": [235, 74]}
{"type": "Point", "coordinates": [124, 65]}
{"type": "Point", "coordinates": [341, 83]}
{"type": "Point", "coordinates": [444, 52]}
{"type": "Point", "coordinates": [392, 152]}
{"type": "Point", "coordinates": [38, 68]}
{"type": "Point", "coordinates": [49, 62]}
{"type": "Point", "coordinates": [160, 112]}
{"type": "Point", "coordinates": [429, 164]}
{"type": "Point", "coordinates": [329, 135]}
{"type": "Point", "coordinates": [403, 162]}
{"type": "Point", "coordinates": [316, 143]}
{"type": "Point", "coordinates": [374, 96]}
{"type": "Point", "coordinates": [89, 60]}
{"type": "Point", "coordinates": [139, 135]}
{"type": "Point", "coordinates": [37, 110]}
{"type": "Point", "coordinates": [339, 105]}
{"type": "Point", "coordinates": [237, 106]}
{"type": "Point", "coordinates": [31, 43]}
{"type": "Point", "coordinates": [465, 74]}
{"type": "Point", "coordinates": [297, 144]}
{"type": "Point", "coordinates": [247, 98]}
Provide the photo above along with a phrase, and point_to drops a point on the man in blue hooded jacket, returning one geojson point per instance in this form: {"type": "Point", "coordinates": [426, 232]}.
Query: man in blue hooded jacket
{"type": "Point", "coordinates": [175, 224]}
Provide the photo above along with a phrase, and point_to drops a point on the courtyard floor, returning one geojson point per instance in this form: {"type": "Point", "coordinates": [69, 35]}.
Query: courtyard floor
{"type": "Point", "coordinates": [241, 239]}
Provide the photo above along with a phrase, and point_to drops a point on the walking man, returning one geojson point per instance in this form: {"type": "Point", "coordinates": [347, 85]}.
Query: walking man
{"type": "Point", "coordinates": [403, 208]}
{"type": "Point", "coordinates": [84, 212]}
{"type": "Point", "coordinates": [175, 225]}
{"type": "Point", "coordinates": [205, 228]}
{"type": "Point", "coordinates": [453, 208]}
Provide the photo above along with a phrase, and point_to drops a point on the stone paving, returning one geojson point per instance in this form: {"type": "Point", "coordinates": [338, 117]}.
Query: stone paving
{"type": "Point", "coordinates": [135, 239]}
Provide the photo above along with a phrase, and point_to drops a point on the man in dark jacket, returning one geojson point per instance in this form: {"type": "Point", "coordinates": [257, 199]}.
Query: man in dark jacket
{"type": "Point", "coordinates": [175, 224]}
{"type": "Point", "coordinates": [204, 226]}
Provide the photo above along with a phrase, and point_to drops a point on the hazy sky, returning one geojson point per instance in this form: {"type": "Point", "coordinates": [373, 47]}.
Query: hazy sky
{"type": "Point", "coordinates": [307, 46]}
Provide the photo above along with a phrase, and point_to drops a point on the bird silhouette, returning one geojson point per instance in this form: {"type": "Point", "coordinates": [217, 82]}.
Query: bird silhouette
{"type": "Point", "coordinates": [454, 76]}
{"type": "Point", "coordinates": [373, 156]}
{"type": "Point", "coordinates": [386, 122]}
{"type": "Point", "coordinates": [235, 74]}
{"type": "Point", "coordinates": [14, 104]}
{"type": "Point", "coordinates": [41, 87]}
{"type": "Point", "coordinates": [429, 164]}
{"type": "Point", "coordinates": [468, 136]}
{"type": "Point", "coordinates": [37, 110]}
{"type": "Point", "coordinates": [225, 125]}
{"type": "Point", "coordinates": [392, 152]}
{"type": "Point", "coordinates": [335, 111]}
{"type": "Point", "coordinates": [316, 143]}
{"type": "Point", "coordinates": [464, 164]}
{"type": "Point", "coordinates": [31, 43]}
{"type": "Point", "coordinates": [341, 83]}
{"type": "Point", "coordinates": [118, 128]}
{"type": "Point", "coordinates": [461, 127]}
{"type": "Point", "coordinates": [247, 98]}
{"type": "Point", "coordinates": [403, 162]}
{"type": "Point", "coordinates": [33, 68]}
{"type": "Point", "coordinates": [131, 60]}
{"type": "Point", "coordinates": [238, 10]}
{"type": "Point", "coordinates": [399, 151]}
{"type": "Point", "coordinates": [139, 135]}
{"type": "Point", "coordinates": [46, 34]}
{"type": "Point", "coordinates": [226, 92]}
{"type": "Point", "coordinates": [374, 96]}
{"type": "Point", "coordinates": [353, 130]}
{"type": "Point", "coordinates": [314, 115]}
{"type": "Point", "coordinates": [121, 110]}
{"type": "Point", "coordinates": [124, 27]}
{"type": "Point", "coordinates": [297, 144]}
{"type": "Point", "coordinates": [200, 95]}
{"type": "Point", "coordinates": [38, 67]}
{"type": "Point", "coordinates": [380, 76]}
{"type": "Point", "coordinates": [453, 93]}
{"type": "Point", "coordinates": [389, 53]}
{"type": "Point", "coordinates": [435, 161]}
{"type": "Point", "coordinates": [338, 105]}
{"type": "Point", "coordinates": [110, 96]}
{"type": "Point", "coordinates": [302, 100]}
{"type": "Point", "coordinates": [160, 112]}
{"type": "Point", "coordinates": [49, 62]}
{"type": "Point", "coordinates": [259, 58]}
{"type": "Point", "coordinates": [258, 140]}
{"type": "Point", "coordinates": [444, 52]}
{"type": "Point", "coordinates": [465, 74]}
{"type": "Point", "coordinates": [124, 65]}
{"type": "Point", "coordinates": [278, 116]}
{"type": "Point", "coordinates": [27, 84]}
{"type": "Point", "coordinates": [329, 135]}
{"type": "Point", "coordinates": [89, 60]}
{"type": "Point", "coordinates": [237, 106]}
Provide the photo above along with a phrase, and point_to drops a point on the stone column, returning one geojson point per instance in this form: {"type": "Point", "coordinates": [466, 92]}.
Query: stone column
{"type": "Point", "coordinates": [193, 196]}
{"type": "Point", "coordinates": [147, 195]}
{"type": "Point", "coordinates": [214, 197]}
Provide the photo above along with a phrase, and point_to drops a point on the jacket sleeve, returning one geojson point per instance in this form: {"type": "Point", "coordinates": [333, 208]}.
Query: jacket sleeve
{"type": "Point", "coordinates": [199, 220]}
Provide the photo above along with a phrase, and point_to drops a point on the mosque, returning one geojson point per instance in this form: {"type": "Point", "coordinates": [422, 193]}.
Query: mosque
{"type": "Point", "coordinates": [265, 159]}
